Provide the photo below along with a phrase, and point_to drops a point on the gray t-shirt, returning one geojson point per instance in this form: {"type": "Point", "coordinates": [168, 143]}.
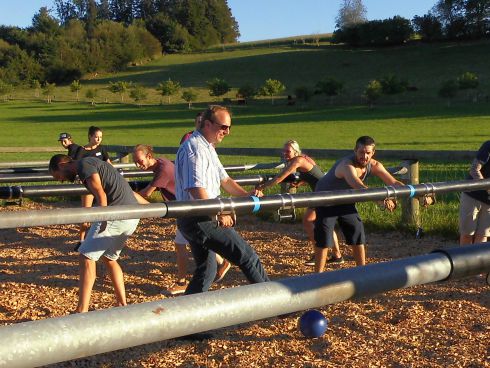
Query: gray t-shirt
{"type": "Point", "coordinates": [115, 186]}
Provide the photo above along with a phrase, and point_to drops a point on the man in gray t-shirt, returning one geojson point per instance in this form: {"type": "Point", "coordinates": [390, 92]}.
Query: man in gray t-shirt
{"type": "Point", "coordinates": [106, 238]}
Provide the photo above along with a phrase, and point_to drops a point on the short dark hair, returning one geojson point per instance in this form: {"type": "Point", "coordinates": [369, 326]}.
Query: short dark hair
{"type": "Point", "coordinates": [210, 113]}
{"type": "Point", "coordinates": [56, 160]}
{"type": "Point", "coordinates": [365, 140]}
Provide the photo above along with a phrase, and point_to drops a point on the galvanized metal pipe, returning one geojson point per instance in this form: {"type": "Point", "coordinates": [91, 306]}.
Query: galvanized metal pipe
{"type": "Point", "coordinates": [34, 191]}
{"type": "Point", "coordinates": [239, 205]}
{"type": "Point", "coordinates": [55, 340]}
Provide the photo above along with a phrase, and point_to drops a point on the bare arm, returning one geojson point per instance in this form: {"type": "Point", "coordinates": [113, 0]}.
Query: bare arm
{"type": "Point", "coordinates": [147, 191]}
{"type": "Point", "coordinates": [95, 187]}
{"type": "Point", "coordinates": [232, 187]}
{"type": "Point", "coordinates": [291, 168]}
{"type": "Point", "coordinates": [379, 170]}
{"type": "Point", "coordinates": [348, 172]}
{"type": "Point", "coordinates": [475, 170]}
{"type": "Point", "coordinates": [140, 199]}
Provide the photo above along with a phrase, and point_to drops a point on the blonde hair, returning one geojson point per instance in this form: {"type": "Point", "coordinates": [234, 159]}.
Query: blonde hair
{"type": "Point", "coordinates": [294, 145]}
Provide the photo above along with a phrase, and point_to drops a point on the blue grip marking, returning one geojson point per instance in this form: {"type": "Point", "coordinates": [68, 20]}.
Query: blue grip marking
{"type": "Point", "coordinates": [412, 191]}
{"type": "Point", "coordinates": [256, 204]}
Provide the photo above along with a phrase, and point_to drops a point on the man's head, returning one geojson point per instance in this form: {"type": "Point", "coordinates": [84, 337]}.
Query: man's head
{"type": "Point", "coordinates": [62, 168]}
{"type": "Point", "coordinates": [364, 150]}
{"type": "Point", "coordinates": [143, 156]}
{"type": "Point", "coordinates": [65, 139]}
{"type": "Point", "coordinates": [215, 123]}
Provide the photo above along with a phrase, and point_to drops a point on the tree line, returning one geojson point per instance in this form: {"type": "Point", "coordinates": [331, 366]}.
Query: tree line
{"type": "Point", "coordinates": [447, 20]}
{"type": "Point", "coordinates": [89, 36]}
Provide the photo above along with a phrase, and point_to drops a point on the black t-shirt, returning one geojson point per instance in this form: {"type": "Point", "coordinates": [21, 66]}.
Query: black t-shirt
{"type": "Point", "coordinates": [99, 152]}
{"type": "Point", "coordinates": [115, 186]}
{"type": "Point", "coordinates": [73, 150]}
{"type": "Point", "coordinates": [483, 156]}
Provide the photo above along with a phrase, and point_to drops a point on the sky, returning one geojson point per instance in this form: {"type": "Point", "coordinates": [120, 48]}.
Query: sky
{"type": "Point", "coordinates": [259, 19]}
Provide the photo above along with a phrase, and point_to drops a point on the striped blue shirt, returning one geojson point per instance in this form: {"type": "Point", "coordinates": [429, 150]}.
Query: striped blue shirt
{"type": "Point", "coordinates": [197, 166]}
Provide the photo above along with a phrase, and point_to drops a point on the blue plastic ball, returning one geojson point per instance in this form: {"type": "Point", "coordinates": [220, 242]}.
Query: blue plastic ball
{"type": "Point", "coordinates": [312, 323]}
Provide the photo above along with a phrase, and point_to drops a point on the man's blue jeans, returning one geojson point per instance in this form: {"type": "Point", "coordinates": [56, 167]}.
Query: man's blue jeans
{"type": "Point", "coordinates": [206, 238]}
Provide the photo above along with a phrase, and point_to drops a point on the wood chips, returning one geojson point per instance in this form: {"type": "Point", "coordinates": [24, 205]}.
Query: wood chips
{"type": "Point", "coordinates": [437, 325]}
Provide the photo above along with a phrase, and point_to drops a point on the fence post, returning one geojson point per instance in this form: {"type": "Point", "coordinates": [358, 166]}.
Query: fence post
{"type": "Point", "coordinates": [411, 206]}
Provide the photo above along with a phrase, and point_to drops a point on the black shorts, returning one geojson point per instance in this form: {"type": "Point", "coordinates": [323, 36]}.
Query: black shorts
{"type": "Point", "coordinates": [349, 222]}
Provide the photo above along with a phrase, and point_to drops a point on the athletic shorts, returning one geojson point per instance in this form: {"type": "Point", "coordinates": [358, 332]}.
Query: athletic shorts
{"type": "Point", "coordinates": [474, 216]}
{"type": "Point", "coordinates": [179, 239]}
{"type": "Point", "coordinates": [349, 222]}
{"type": "Point", "coordinates": [109, 242]}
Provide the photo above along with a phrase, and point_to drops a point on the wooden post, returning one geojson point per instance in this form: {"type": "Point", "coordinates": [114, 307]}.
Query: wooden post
{"type": "Point", "coordinates": [123, 157]}
{"type": "Point", "coordinates": [411, 206]}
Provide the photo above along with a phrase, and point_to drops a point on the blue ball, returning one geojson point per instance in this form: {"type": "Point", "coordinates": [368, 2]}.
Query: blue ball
{"type": "Point", "coordinates": [312, 323]}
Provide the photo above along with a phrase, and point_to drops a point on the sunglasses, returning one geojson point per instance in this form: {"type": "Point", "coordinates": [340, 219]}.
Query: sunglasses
{"type": "Point", "coordinates": [222, 126]}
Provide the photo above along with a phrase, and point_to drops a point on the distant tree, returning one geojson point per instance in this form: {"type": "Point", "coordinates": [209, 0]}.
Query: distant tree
{"type": "Point", "coordinates": [218, 87]}
{"type": "Point", "coordinates": [272, 87]}
{"type": "Point", "coordinates": [5, 90]}
{"type": "Point", "coordinates": [36, 86]}
{"type": "Point", "coordinates": [75, 87]}
{"type": "Point", "coordinates": [351, 12]}
{"type": "Point", "coordinates": [330, 87]}
{"type": "Point", "coordinates": [247, 92]}
{"type": "Point", "coordinates": [468, 81]}
{"type": "Point", "coordinates": [48, 91]}
{"type": "Point", "coordinates": [168, 88]}
{"type": "Point", "coordinates": [428, 27]}
{"type": "Point", "coordinates": [189, 96]}
{"type": "Point", "coordinates": [448, 90]}
{"type": "Point", "coordinates": [43, 22]}
{"type": "Point", "coordinates": [138, 94]}
{"type": "Point", "coordinates": [392, 85]}
{"type": "Point", "coordinates": [373, 92]}
{"type": "Point", "coordinates": [91, 94]}
{"type": "Point", "coordinates": [303, 93]}
{"type": "Point", "coordinates": [120, 87]}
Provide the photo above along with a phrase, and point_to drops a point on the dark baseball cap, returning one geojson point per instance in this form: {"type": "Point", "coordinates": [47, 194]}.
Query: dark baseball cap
{"type": "Point", "coordinates": [64, 136]}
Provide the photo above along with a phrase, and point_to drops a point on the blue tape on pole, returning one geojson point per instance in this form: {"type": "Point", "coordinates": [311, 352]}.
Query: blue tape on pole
{"type": "Point", "coordinates": [412, 191]}
{"type": "Point", "coordinates": [257, 204]}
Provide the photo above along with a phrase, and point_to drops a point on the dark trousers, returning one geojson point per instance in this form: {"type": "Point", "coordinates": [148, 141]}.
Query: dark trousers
{"type": "Point", "coordinates": [206, 238]}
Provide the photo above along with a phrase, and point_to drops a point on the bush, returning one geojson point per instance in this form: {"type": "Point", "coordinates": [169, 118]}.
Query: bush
{"type": "Point", "coordinates": [468, 80]}
{"type": "Point", "coordinates": [189, 96]}
{"type": "Point", "coordinates": [168, 88]}
{"type": "Point", "coordinates": [247, 92]}
{"type": "Point", "coordinates": [272, 87]}
{"type": "Point", "coordinates": [218, 87]}
{"type": "Point", "coordinates": [138, 94]}
{"type": "Point", "coordinates": [391, 85]}
{"type": "Point", "coordinates": [449, 90]}
{"type": "Point", "coordinates": [373, 92]}
{"type": "Point", "coordinates": [330, 87]}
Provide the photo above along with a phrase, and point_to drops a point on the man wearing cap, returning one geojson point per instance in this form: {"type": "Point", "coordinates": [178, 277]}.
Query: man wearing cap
{"type": "Point", "coordinates": [67, 142]}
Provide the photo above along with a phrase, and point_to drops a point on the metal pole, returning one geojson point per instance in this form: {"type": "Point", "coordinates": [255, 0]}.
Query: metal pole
{"type": "Point", "coordinates": [55, 340]}
{"type": "Point", "coordinates": [44, 169]}
{"type": "Point", "coordinates": [211, 207]}
{"type": "Point", "coordinates": [32, 191]}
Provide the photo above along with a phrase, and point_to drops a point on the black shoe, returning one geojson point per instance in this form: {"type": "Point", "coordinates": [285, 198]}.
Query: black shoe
{"type": "Point", "coordinates": [200, 336]}
{"type": "Point", "coordinates": [77, 246]}
{"type": "Point", "coordinates": [337, 260]}
{"type": "Point", "coordinates": [310, 261]}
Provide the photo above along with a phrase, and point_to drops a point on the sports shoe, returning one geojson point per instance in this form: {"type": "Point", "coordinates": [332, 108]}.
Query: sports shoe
{"type": "Point", "coordinates": [222, 270]}
{"type": "Point", "coordinates": [178, 287]}
{"type": "Point", "coordinates": [334, 259]}
{"type": "Point", "coordinates": [77, 246]}
{"type": "Point", "coordinates": [310, 261]}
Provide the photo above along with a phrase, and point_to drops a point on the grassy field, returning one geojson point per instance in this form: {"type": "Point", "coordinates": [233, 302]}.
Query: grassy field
{"type": "Point", "coordinates": [413, 121]}
{"type": "Point", "coordinates": [424, 66]}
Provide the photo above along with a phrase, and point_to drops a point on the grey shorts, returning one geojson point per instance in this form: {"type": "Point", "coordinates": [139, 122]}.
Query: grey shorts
{"type": "Point", "coordinates": [108, 243]}
{"type": "Point", "coordinates": [474, 216]}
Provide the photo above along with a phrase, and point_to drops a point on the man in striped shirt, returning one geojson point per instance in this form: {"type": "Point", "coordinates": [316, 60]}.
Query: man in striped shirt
{"type": "Point", "coordinates": [199, 174]}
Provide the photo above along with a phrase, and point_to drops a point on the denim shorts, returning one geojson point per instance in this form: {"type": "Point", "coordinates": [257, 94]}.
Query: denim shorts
{"type": "Point", "coordinates": [109, 242]}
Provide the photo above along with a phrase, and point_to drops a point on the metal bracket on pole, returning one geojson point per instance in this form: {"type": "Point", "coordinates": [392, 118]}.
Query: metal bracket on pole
{"type": "Point", "coordinates": [286, 211]}
{"type": "Point", "coordinates": [224, 212]}
{"type": "Point", "coordinates": [429, 198]}
{"type": "Point", "coordinates": [390, 196]}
